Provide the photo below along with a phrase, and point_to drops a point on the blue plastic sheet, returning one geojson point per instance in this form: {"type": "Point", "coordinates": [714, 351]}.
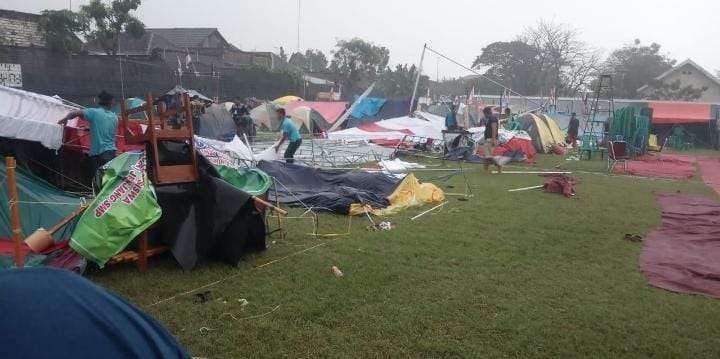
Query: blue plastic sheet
{"type": "Point", "coordinates": [368, 107]}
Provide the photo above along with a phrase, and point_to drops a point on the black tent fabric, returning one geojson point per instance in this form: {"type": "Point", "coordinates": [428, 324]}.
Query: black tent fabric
{"type": "Point", "coordinates": [207, 220]}
{"type": "Point", "coordinates": [327, 190]}
{"type": "Point", "coordinates": [51, 313]}
{"type": "Point", "coordinates": [217, 123]}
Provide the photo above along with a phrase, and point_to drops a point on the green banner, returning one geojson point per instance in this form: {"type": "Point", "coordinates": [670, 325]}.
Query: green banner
{"type": "Point", "coordinates": [124, 208]}
{"type": "Point", "coordinates": [250, 180]}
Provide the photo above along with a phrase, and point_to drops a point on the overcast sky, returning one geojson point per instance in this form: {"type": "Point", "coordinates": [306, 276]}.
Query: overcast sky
{"type": "Point", "coordinates": [460, 29]}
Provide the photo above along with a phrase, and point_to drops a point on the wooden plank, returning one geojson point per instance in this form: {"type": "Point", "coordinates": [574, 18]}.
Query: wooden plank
{"type": "Point", "coordinates": [15, 223]}
{"type": "Point", "coordinates": [176, 174]}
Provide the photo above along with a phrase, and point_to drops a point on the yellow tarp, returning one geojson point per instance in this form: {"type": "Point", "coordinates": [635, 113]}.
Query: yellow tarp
{"type": "Point", "coordinates": [282, 101]}
{"type": "Point", "coordinates": [409, 193]}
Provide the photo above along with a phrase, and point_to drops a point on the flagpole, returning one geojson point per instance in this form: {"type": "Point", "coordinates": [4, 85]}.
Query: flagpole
{"type": "Point", "coordinates": [417, 80]}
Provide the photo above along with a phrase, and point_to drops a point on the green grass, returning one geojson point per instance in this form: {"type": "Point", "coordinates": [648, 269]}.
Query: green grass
{"type": "Point", "coordinates": [524, 274]}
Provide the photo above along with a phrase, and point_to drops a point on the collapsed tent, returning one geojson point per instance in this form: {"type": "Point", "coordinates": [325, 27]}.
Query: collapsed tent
{"type": "Point", "coordinates": [374, 109]}
{"type": "Point", "coordinates": [179, 90]}
{"type": "Point", "coordinates": [216, 123]}
{"type": "Point", "coordinates": [423, 125]}
{"type": "Point", "coordinates": [346, 192]}
{"type": "Point", "coordinates": [328, 112]}
{"type": "Point", "coordinates": [125, 207]}
{"type": "Point", "coordinates": [30, 116]}
{"type": "Point", "coordinates": [212, 220]}
{"type": "Point", "coordinates": [41, 206]}
{"type": "Point", "coordinates": [232, 168]}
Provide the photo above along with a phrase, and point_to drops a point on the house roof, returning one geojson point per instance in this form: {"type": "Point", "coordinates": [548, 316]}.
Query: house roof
{"type": "Point", "coordinates": [135, 46]}
{"type": "Point", "coordinates": [187, 37]}
{"type": "Point", "coordinates": [678, 67]}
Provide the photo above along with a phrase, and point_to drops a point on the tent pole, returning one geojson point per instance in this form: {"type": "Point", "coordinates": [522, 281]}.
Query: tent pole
{"type": "Point", "coordinates": [14, 211]}
{"type": "Point", "coordinates": [417, 80]}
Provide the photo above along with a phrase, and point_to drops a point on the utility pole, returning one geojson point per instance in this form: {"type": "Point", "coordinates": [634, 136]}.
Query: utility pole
{"type": "Point", "coordinates": [298, 26]}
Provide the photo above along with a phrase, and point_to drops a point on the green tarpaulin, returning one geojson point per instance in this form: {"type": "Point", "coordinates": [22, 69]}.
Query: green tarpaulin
{"type": "Point", "coordinates": [41, 204]}
{"type": "Point", "coordinates": [124, 208]}
{"type": "Point", "coordinates": [250, 180]}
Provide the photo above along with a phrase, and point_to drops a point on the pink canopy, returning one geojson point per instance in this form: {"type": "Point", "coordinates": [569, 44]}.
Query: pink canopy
{"type": "Point", "coordinates": [330, 111]}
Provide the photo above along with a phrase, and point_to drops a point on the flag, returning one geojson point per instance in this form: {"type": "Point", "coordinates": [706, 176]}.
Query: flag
{"type": "Point", "coordinates": [125, 207]}
{"type": "Point", "coordinates": [188, 61]}
{"type": "Point", "coordinates": [179, 66]}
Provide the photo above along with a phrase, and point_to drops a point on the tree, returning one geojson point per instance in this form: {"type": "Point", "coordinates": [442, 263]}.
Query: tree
{"type": "Point", "coordinates": [311, 61]}
{"type": "Point", "coordinates": [59, 29]}
{"type": "Point", "coordinates": [565, 63]}
{"type": "Point", "coordinates": [109, 20]}
{"type": "Point", "coordinates": [359, 63]}
{"type": "Point", "coordinates": [399, 84]}
{"type": "Point", "coordinates": [544, 57]}
{"type": "Point", "coordinates": [634, 66]}
{"type": "Point", "coordinates": [674, 91]}
{"type": "Point", "coordinates": [514, 64]}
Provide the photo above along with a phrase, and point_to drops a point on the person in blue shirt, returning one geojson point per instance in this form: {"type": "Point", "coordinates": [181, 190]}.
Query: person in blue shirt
{"type": "Point", "coordinates": [288, 131]}
{"type": "Point", "coordinates": [103, 127]}
{"type": "Point", "coordinates": [451, 119]}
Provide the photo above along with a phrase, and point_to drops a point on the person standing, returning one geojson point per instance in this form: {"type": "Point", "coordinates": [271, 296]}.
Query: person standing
{"type": "Point", "coordinates": [103, 128]}
{"type": "Point", "coordinates": [288, 131]}
{"type": "Point", "coordinates": [451, 118]}
{"type": "Point", "coordinates": [573, 127]}
{"type": "Point", "coordinates": [491, 136]}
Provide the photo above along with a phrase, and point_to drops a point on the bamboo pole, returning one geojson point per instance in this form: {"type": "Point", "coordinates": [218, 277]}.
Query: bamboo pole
{"type": "Point", "coordinates": [14, 212]}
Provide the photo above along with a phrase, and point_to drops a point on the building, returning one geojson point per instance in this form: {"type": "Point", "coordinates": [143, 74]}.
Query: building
{"type": "Point", "coordinates": [690, 73]}
{"type": "Point", "coordinates": [205, 46]}
{"type": "Point", "coordinates": [20, 29]}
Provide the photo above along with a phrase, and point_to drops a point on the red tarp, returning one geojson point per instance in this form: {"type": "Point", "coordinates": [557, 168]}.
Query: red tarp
{"type": "Point", "coordinates": [78, 139]}
{"type": "Point", "coordinates": [374, 127]}
{"type": "Point", "coordinates": [330, 111]}
{"type": "Point", "coordinates": [516, 144]}
{"type": "Point", "coordinates": [682, 255]}
{"type": "Point", "coordinates": [710, 168]}
{"type": "Point", "coordinates": [680, 112]}
{"type": "Point", "coordinates": [661, 166]}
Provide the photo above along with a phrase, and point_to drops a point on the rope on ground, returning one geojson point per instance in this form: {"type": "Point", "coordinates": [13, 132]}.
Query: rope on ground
{"type": "Point", "coordinates": [239, 274]}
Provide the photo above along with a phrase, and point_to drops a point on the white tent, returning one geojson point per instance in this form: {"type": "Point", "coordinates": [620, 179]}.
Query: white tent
{"type": "Point", "coordinates": [30, 116]}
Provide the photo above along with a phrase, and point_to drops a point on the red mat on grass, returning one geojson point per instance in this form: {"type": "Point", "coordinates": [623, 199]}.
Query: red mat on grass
{"type": "Point", "coordinates": [710, 168]}
{"type": "Point", "coordinates": [661, 166]}
{"type": "Point", "coordinates": [683, 255]}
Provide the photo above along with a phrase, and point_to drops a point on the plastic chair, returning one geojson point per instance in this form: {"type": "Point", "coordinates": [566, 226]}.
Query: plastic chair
{"type": "Point", "coordinates": [617, 153]}
{"type": "Point", "coordinates": [588, 144]}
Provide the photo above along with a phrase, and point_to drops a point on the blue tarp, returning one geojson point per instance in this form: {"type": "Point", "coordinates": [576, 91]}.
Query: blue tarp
{"type": "Point", "coordinates": [50, 313]}
{"type": "Point", "coordinates": [368, 107]}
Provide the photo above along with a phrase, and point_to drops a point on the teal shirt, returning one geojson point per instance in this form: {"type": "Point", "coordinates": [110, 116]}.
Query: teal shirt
{"type": "Point", "coordinates": [290, 129]}
{"type": "Point", "coordinates": [103, 127]}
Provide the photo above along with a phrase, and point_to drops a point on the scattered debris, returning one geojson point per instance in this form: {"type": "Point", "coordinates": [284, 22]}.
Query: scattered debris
{"type": "Point", "coordinates": [203, 297]}
{"type": "Point", "coordinates": [633, 238]}
{"type": "Point", "coordinates": [525, 188]}
{"type": "Point", "coordinates": [428, 211]}
{"type": "Point", "coordinates": [206, 329]}
{"type": "Point", "coordinates": [336, 271]}
{"type": "Point", "coordinates": [560, 183]}
{"type": "Point", "coordinates": [382, 226]}
{"type": "Point", "coordinates": [243, 302]}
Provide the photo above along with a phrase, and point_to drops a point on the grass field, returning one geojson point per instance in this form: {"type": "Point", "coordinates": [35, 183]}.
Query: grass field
{"type": "Point", "coordinates": [524, 274]}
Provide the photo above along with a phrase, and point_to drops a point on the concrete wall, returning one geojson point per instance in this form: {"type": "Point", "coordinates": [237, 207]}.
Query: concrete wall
{"type": "Point", "coordinates": [20, 29]}
{"type": "Point", "coordinates": [80, 78]}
